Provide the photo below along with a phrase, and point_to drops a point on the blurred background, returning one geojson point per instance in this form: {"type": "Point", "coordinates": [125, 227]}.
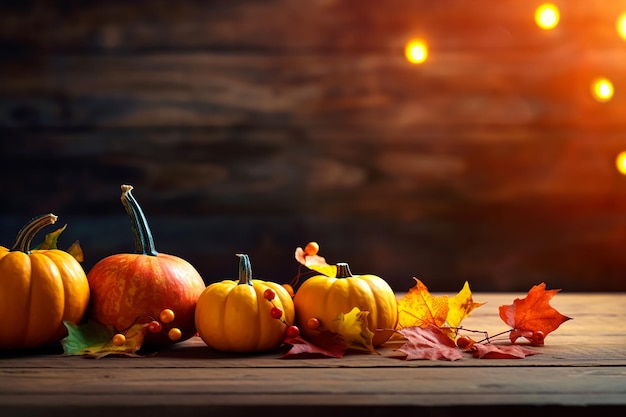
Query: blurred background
{"type": "Point", "coordinates": [446, 140]}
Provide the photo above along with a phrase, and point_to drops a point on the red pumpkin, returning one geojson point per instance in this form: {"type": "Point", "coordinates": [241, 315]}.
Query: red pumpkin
{"type": "Point", "coordinates": [128, 286]}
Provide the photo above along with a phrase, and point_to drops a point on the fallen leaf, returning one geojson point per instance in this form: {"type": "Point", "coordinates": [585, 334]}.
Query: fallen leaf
{"type": "Point", "coordinates": [498, 351]}
{"type": "Point", "coordinates": [532, 313]}
{"type": "Point", "coordinates": [353, 329]}
{"type": "Point", "coordinates": [460, 306]}
{"type": "Point", "coordinates": [430, 343]}
{"type": "Point", "coordinates": [420, 308]}
{"type": "Point", "coordinates": [94, 340]}
{"type": "Point", "coordinates": [324, 344]}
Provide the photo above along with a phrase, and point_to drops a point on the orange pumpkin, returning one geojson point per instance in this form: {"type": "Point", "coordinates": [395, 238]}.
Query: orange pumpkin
{"type": "Point", "coordinates": [236, 315]}
{"type": "Point", "coordinates": [126, 286]}
{"type": "Point", "coordinates": [320, 299]}
{"type": "Point", "coordinates": [39, 289]}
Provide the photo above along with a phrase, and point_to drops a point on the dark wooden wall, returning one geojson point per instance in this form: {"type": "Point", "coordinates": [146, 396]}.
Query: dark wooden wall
{"type": "Point", "coordinates": [256, 126]}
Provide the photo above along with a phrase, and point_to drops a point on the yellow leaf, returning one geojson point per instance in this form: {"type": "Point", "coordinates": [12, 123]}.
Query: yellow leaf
{"type": "Point", "coordinates": [353, 329]}
{"type": "Point", "coordinates": [76, 251]}
{"type": "Point", "coordinates": [134, 339]}
{"type": "Point", "coordinates": [420, 308]}
{"type": "Point", "coordinates": [461, 305]}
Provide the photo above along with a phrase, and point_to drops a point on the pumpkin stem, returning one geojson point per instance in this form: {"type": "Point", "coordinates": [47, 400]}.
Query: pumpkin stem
{"type": "Point", "coordinates": [343, 270]}
{"type": "Point", "coordinates": [27, 233]}
{"type": "Point", "coordinates": [144, 244]}
{"type": "Point", "coordinates": [245, 269]}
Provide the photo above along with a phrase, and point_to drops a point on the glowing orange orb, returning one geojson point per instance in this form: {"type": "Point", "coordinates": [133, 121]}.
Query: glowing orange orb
{"type": "Point", "coordinates": [602, 89]}
{"type": "Point", "coordinates": [547, 16]}
{"type": "Point", "coordinates": [416, 51]}
{"type": "Point", "coordinates": [620, 162]}
{"type": "Point", "coordinates": [621, 25]}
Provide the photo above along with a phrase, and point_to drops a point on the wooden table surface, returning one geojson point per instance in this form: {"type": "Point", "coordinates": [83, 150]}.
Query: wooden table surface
{"type": "Point", "coordinates": [580, 369]}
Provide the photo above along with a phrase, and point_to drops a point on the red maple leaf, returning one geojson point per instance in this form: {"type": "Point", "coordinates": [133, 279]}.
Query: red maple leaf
{"type": "Point", "coordinates": [428, 343]}
{"type": "Point", "coordinates": [533, 317]}
{"type": "Point", "coordinates": [324, 344]}
{"type": "Point", "coordinates": [495, 351]}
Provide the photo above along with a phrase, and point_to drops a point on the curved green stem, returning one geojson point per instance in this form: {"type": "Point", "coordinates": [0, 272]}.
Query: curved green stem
{"type": "Point", "coordinates": [343, 270]}
{"type": "Point", "coordinates": [27, 233]}
{"type": "Point", "coordinates": [245, 269]}
{"type": "Point", "coordinates": [144, 244]}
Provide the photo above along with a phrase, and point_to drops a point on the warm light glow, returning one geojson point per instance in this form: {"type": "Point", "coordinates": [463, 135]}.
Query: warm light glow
{"type": "Point", "coordinates": [602, 89]}
{"type": "Point", "coordinates": [547, 16]}
{"type": "Point", "coordinates": [621, 25]}
{"type": "Point", "coordinates": [416, 51]}
{"type": "Point", "coordinates": [620, 162]}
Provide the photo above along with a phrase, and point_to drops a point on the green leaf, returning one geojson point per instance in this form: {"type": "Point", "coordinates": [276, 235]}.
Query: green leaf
{"type": "Point", "coordinates": [95, 340]}
{"type": "Point", "coordinates": [50, 241]}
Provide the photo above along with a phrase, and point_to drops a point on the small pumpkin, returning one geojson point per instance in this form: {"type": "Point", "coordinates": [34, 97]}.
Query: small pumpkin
{"type": "Point", "coordinates": [39, 289]}
{"type": "Point", "coordinates": [126, 286]}
{"type": "Point", "coordinates": [235, 315]}
{"type": "Point", "coordinates": [320, 299]}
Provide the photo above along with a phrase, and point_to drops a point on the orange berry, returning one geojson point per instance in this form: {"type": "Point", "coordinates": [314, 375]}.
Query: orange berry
{"type": "Point", "coordinates": [174, 334]}
{"type": "Point", "coordinates": [167, 316]}
{"type": "Point", "coordinates": [313, 323]}
{"type": "Point", "coordinates": [311, 248]}
{"type": "Point", "coordinates": [119, 339]}
{"type": "Point", "coordinates": [289, 289]}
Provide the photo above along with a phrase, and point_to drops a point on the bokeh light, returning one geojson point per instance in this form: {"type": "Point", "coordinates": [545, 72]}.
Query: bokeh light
{"type": "Point", "coordinates": [620, 162]}
{"type": "Point", "coordinates": [547, 16]}
{"type": "Point", "coordinates": [416, 51]}
{"type": "Point", "coordinates": [602, 89]}
{"type": "Point", "coordinates": [621, 25]}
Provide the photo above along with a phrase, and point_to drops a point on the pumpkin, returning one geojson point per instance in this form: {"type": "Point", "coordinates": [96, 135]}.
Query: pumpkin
{"type": "Point", "coordinates": [39, 289]}
{"type": "Point", "coordinates": [236, 316]}
{"type": "Point", "coordinates": [128, 286]}
{"type": "Point", "coordinates": [320, 299]}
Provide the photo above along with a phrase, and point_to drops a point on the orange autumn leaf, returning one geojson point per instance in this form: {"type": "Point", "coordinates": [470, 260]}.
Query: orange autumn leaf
{"type": "Point", "coordinates": [420, 308]}
{"type": "Point", "coordinates": [315, 262]}
{"type": "Point", "coordinates": [532, 314]}
{"type": "Point", "coordinates": [461, 305]}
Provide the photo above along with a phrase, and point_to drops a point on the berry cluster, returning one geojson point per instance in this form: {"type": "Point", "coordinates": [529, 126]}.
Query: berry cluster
{"type": "Point", "coordinates": [154, 326]}
{"type": "Point", "coordinates": [277, 313]}
{"type": "Point", "coordinates": [536, 338]}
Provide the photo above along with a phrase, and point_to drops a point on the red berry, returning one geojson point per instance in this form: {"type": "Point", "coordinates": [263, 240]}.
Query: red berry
{"type": "Point", "coordinates": [293, 331]}
{"type": "Point", "coordinates": [269, 294]}
{"type": "Point", "coordinates": [464, 342]}
{"type": "Point", "coordinates": [154, 326]}
{"type": "Point", "coordinates": [276, 312]}
{"type": "Point", "coordinates": [538, 338]}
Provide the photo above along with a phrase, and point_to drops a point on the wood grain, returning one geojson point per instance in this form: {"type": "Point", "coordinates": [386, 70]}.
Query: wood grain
{"type": "Point", "coordinates": [580, 369]}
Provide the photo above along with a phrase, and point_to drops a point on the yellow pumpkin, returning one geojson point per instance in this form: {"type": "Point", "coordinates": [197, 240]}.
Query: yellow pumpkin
{"type": "Point", "coordinates": [39, 289]}
{"type": "Point", "coordinates": [320, 299]}
{"type": "Point", "coordinates": [236, 316]}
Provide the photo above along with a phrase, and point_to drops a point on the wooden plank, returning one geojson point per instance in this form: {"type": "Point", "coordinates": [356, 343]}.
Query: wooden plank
{"type": "Point", "coordinates": [581, 369]}
{"type": "Point", "coordinates": [280, 24]}
{"type": "Point", "coordinates": [204, 89]}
